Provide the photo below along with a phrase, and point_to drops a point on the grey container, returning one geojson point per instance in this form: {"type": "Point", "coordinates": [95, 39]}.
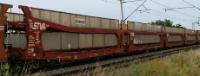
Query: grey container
{"type": "Point", "coordinates": [78, 21]}
{"type": "Point", "coordinates": [98, 40]}
{"type": "Point", "coordinates": [74, 20]}
{"type": "Point", "coordinates": [95, 22]}
{"type": "Point", "coordinates": [172, 38]}
{"type": "Point", "coordinates": [51, 41]}
{"type": "Point", "coordinates": [45, 15]}
{"type": "Point", "coordinates": [146, 39]}
{"type": "Point", "coordinates": [190, 37]}
{"type": "Point", "coordinates": [188, 31]}
{"type": "Point", "coordinates": [111, 40]}
{"type": "Point", "coordinates": [55, 17]}
{"type": "Point", "coordinates": [106, 23]}
{"type": "Point", "coordinates": [138, 26]}
{"type": "Point", "coordinates": [69, 40]}
{"type": "Point", "coordinates": [16, 40]}
{"type": "Point", "coordinates": [14, 17]}
{"type": "Point", "coordinates": [174, 30]}
{"type": "Point", "coordinates": [65, 19]}
{"type": "Point", "coordinates": [85, 40]}
{"type": "Point", "coordinates": [114, 24]}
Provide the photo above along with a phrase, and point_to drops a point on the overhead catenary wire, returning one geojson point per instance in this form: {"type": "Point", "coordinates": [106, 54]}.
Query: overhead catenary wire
{"type": "Point", "coordinates": [131, 1]}
{"type": "Point", "coordinates": [135, 10]}
{"type": "Point", "coordinates": [169, 7]}
{"type": "Point", "coordinates": [191, 5]}
{"type": "Point", "coordinates": [154, 3]}
{"type": "Point", "coordinates": [177, 8]}
{"type": "Point", "coordinates": [176, 18]}
{"type": "Point", "coordinates": [157, 13]}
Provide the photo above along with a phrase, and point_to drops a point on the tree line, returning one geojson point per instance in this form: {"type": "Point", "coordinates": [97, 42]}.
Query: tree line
{"type": "Point", "coordinates": [167, 23]}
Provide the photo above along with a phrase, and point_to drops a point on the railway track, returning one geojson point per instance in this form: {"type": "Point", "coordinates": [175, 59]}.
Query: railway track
{"type": "Point", "coordinates": [107, 65]}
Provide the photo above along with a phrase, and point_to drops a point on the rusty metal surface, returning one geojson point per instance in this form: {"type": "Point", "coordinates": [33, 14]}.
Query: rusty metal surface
{"type": "Point", "coordinates": [3, 10]}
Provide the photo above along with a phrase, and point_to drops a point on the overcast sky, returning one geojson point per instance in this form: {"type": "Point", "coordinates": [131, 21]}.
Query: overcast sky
{"type": "Point", "coordinates": [111, 9]}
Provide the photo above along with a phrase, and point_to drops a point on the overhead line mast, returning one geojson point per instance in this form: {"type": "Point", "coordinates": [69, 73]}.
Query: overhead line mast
{"type": "Point", "coordinates": [122, 14]}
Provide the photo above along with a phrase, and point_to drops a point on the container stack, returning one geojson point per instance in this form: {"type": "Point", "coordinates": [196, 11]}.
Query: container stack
{"type": "Point", "coordinates": [67, 41]}
{"type": "Point", "coordinates": [61, 40]}
{"type": "Point", "coordinates": [14, 17]}
{"type": "Point", "coordinates": [190, 35]}
{"type": "Point", "coordinates": [174, 34]}
{"type": "Point", "coordinates": [74, 20]}
{"type": "Point", "coordinates": [138, 26]}
{"type": "Point", "coordinates": [144, 38]}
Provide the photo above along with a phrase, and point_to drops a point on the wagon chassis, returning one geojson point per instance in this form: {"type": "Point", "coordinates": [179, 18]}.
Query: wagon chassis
{"type": "Point", "coordinates": [111, 63]}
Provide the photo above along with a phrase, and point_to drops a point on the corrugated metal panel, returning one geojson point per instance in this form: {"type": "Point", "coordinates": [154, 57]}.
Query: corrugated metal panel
{"type": "Point", "coordinates": [171, 38]}
{"type": "Point", "coordinates": [98, 40]}
{"type": "Point", "coordinates": [88, 24]}
{"type": "Point", "coordinates": [35, 13]}
{"type": "Point", "coordinates": [190, 37]}
{"type": "Point", "coordinates": [92, 22]}
{"type": "Point", "coordinates": [85, 41]}
{"type": "Point", "coordinates": [16, 40]}
{"type": "Point", "coordinates": [74, 20]}
{"type": "Point", "coordinates": [51, 41]}
{"type": "Point", "coordinates": [14, 17]}
{"type": "Point", "coordinates": [138, 26]}
{"type": "Point", "coordinates": [114, 24]}
{"type": "Point", "coordinates": [174, 30]}
{"type": "Point", "coordinates": [95, 22]}
{"type": "Point", "coordinates": [18, 17]}
{"type": "Point", "coordinates": [131, 25]}
{"type": "Point", "coordinates": [45, 15]}
{"type": "Point", "coordinates": [111, 40]}
{"type": "Point", "coordinates": [146, 39]}
{"type": "Point", "coordinates": [10, 17]}
{"type": "Point", "coordinates": [153, 28]}
{"type": "Point", "coordinates": [189, 31]}
{"type": "Point", "coordinates": [78, 21]}
{"type": "Point", "coordinates": [55, 17]}
{"type": "Point", "coordinates": [124, 27]}
{"type": "Point", "coordinates": [106, 23]}
{"type": "Point", "coordinates": [65, 19]}
{"type": "Point", "coordinates": [70, 40]}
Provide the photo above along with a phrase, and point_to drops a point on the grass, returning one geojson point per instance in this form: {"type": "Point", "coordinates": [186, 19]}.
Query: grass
{"type": "Point", "coordinates": [182, 64]}
{"type": "Point", "coordinates": [4, 69]}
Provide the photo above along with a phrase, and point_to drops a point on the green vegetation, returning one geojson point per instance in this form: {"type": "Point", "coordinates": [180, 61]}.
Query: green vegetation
{"type": "Point", "coordinates": [167, 23]}
{"type": "Point", "coordinates": [182, 64]}
{"type": "Point", "coordinates": [4, 69]}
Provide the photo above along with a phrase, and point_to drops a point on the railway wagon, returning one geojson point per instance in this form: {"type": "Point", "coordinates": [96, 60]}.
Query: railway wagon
{"type": "Point", "coordinates": [174, 36]}
{"type": "Point", "coordinates": [190, 37]}
{"type": "Point", "coordinates": [198, 36]}
{"type": "Point", "coordinates": [54, 35]}
{"type": "Point", "coordinates": [3, 10]}
{"type": "Point", "coordinates": [144, 36]}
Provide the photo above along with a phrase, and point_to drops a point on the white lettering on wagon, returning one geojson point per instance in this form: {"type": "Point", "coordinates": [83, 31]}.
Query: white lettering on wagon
{"type": "Point", "coordinates": [39, 26]}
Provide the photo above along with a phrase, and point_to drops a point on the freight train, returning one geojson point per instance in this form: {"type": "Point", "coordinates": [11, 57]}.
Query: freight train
{"type": "Point", "coordinates": [47, 35]}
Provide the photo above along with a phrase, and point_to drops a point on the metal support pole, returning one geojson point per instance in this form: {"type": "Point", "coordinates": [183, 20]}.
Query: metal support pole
{"type": "Point", "coordinates": [122, 14]}
{"type": "Point", "coordinates": [193, 26]}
